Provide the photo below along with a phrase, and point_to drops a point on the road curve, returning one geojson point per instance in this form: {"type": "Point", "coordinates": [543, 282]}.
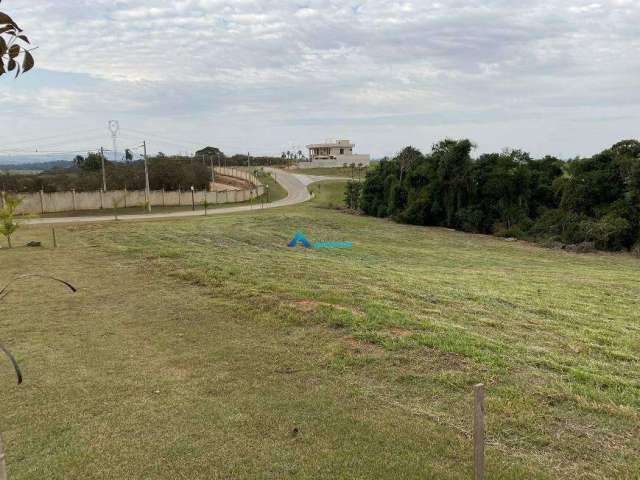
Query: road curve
{"type": "Point", "coordinates": [294, 184]}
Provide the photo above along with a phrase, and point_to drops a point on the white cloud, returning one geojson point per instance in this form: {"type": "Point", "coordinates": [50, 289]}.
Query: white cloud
{"type": "Point", "coordinates": [469, 62]}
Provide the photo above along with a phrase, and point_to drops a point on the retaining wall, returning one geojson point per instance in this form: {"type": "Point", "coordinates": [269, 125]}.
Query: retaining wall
{"type": "Point", "coordinates": [42, 202]}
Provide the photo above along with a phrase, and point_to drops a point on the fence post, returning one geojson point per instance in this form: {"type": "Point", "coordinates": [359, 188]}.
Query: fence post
{"type": "Point", "coordinates": [3, 467]}
{"type": "Point", "coordinates": [73, 199]}
{"type": "Point", "coordinates": [53, 235]}
{"type": "Point", "coordinates": [478, 432]}
{"type": "Point", "coordinates": [42, 201]}
{"type": "Point", "coordinates": [164, 204]}
{"type": "Point", "coordinates": [179, 197]}
{"type": "Point", "coordinates": [125, 197]}
{"type": "Point", "coordinates": [101, 200]}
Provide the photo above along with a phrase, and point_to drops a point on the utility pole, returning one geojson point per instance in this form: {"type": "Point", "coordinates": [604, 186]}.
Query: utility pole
{"type": "Point", "coordinates": [147, 192]}
{"type": "Point", "coordinates": [104, 174]}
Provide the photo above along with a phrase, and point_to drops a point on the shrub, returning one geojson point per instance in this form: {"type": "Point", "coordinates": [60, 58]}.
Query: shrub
{"type": "Point", "coordinates": [8, 224]}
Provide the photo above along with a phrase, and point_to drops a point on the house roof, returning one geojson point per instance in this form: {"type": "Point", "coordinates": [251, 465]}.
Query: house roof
{"type": "Point", "coordinates": [343, 144]}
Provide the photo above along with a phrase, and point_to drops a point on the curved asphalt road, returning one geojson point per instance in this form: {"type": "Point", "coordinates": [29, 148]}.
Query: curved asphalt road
{"type": "Point", "coordinates": [294, 184]}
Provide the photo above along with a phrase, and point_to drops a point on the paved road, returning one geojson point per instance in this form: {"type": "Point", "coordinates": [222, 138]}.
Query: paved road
{"type": "Point", "coordinates": [294, 184]}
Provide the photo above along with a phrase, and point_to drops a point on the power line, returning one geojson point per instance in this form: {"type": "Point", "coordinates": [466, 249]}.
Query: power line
{"type": "Point", "coordinates": [39, 147]}
{"type": "Point", "coordinates": [39, 139]}
{"type": "Point", "coordinates": [49, 152]}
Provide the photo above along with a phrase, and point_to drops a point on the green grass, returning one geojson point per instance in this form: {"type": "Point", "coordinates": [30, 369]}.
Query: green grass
{"type": "Point", "coordinates": [196, 347]}
{"type": "Point", "coordinates": [328, 194]}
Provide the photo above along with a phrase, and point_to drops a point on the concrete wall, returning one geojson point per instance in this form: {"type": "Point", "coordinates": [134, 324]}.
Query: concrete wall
{"type": "Point", "coordinates": [41, 202]}
{"type": "Point", "coordinates": [338, 162]}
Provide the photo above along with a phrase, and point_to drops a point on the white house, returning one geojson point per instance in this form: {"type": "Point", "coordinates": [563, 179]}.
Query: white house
{"type": "Point", "coordinates": [333, 154]}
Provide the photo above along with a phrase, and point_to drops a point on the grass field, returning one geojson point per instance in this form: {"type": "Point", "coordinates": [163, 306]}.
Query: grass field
{"type": "Point", "coordinates": [204, 348]}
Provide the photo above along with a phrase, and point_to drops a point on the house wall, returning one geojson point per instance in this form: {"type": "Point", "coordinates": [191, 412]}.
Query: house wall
{"type": "Point", "coordinates": [338, 162]}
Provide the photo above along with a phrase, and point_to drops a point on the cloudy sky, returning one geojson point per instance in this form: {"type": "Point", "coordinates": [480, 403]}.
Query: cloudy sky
{"type": "Point", "coordinates": [555, 77]}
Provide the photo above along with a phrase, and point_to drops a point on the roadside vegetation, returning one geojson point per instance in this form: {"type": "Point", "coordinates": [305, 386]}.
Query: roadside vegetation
{"type": "Point", "coordinates": [205, 348]}
{"type": "Point", "coordinates": [586, 202]}
{"type": "Point", "coordinates": [168, 172]}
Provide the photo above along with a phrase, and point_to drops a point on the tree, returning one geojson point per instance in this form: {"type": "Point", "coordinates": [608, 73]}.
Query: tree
{"type": "Point", "coordinates": [12, 47]}
{"type": "Point", "coordinates": [593, 199]}
{"type": "Point", "coordinates": [8, 224]}
{"type": "Point", "coordinates": [406, 158]}
{"type": "Point", "coordinates": [209, 152]}
{"type": "Point", "coordinates": [352, 194]}
{"type": "Point", "coordinates": [92, 162]}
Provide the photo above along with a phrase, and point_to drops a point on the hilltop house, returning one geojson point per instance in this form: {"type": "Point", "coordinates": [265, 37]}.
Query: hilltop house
{"type": "Point", "coordinates": [333, 154]}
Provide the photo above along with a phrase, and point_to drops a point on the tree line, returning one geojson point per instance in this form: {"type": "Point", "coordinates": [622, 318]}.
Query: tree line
{"type": "Point", "coordinates": [585, 201]}
{"type": "Point", "coordinates": [168, 172]}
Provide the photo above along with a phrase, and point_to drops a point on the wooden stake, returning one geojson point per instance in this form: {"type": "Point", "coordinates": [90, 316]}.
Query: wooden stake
{"type": "Point", "coordinates": [478, 432]}
{"type": "Point", "coordinates": [53, 236]}
{"type": "Point", "coordinates": [3, 467]}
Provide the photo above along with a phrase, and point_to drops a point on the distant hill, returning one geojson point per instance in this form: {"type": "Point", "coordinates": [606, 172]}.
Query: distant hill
{"type": "Point", "coordinates": [37, 166]}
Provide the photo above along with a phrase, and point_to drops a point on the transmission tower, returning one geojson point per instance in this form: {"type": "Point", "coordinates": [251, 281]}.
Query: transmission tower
{"type": "Point", "coordinates": [114, 128]}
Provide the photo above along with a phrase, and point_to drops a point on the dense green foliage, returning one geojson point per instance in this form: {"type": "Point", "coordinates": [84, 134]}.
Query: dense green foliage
{"type": "Point", "coordinates": [169, 172]}
{"type": "Point", "coordinates": [164, 172]}
{"type": "Point", "coordinates": [593, 199]}
{"type": "Point", "coordinates": [352, 194]}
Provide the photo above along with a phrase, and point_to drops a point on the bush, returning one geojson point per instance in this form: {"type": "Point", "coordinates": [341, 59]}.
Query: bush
{"type": "Point", "coordinates": [608, 232]}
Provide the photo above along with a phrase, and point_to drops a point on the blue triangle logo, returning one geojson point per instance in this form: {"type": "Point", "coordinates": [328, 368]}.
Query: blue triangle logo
{"type": "Point", "coordinates": [299, 238]}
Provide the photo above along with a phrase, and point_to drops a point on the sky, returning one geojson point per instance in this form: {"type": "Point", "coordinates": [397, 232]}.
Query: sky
{"type": "Point", "coordinates": [557, 77]}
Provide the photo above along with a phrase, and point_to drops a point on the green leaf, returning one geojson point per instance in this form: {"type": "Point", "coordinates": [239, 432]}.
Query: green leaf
{"type": "Point", "coordinates": [28, 62]}
{"type": "Point", "coordinates": [3, 46]}
{"type": "Point", "coordinates": [14, 51]}
{"type": "Point", "coordinates": [11, 65]}
{"type": "Point", "coordinates": [24, 38]}
{"type": "Point", "coordinates": [2, 70]}
{"type": "Point", "coordinates": [7, 20]}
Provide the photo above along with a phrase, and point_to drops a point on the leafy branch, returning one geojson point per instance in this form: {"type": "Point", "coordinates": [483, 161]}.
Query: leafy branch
{"type": "Point", "coordinates": [14, 54]}
{"type": "Point", "coordinates": [3, 294]}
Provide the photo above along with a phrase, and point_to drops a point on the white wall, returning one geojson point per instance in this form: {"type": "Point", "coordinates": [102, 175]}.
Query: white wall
{"type": "Point", "coordinates": [41, 202]}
